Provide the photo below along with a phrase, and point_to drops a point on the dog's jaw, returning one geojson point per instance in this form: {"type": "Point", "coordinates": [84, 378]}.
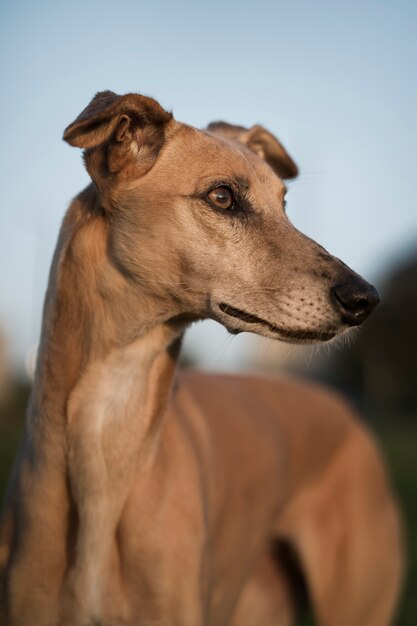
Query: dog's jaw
{"type": "Point", "coordinates": [253, 323]}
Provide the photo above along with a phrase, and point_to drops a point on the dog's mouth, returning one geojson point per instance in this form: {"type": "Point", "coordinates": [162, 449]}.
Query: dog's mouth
{"type": "Point", "coordinates": [284, 333]}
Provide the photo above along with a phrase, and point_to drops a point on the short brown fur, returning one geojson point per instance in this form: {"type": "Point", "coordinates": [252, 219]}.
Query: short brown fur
{"type": "Point", "coordinates": [134, 504]}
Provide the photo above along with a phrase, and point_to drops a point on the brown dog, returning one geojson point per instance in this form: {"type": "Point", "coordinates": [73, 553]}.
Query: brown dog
{"type": "Point", "coordinates": [123, 512]}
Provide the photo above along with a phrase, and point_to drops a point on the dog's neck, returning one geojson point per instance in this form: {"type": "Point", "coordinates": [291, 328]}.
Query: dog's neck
{"type": "Point", "coordinates": [105, 368]}
{"type": "Point", "coordinates": [98, 332]}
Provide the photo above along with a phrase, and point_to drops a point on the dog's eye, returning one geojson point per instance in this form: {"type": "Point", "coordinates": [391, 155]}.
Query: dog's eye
{"type": "Point", "coordinates": [222, 198]}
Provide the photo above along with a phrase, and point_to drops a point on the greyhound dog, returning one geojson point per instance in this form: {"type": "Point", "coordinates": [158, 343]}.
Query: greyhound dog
{"type": "Point", "coordinates": [136, 501]}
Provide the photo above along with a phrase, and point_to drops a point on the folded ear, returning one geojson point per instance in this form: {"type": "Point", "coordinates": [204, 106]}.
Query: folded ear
{"type": "Point", "coordinates": [127, 123]}
{"type": "Point", "coordinates": [261, 142]}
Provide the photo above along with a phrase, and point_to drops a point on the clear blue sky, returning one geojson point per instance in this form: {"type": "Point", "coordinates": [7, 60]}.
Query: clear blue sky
{"type": "Point", "coordinates": [336, 81]}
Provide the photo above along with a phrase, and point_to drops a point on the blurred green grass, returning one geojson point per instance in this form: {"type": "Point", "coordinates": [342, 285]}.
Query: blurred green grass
{"type": "Point", "coordinates": [398, 440]}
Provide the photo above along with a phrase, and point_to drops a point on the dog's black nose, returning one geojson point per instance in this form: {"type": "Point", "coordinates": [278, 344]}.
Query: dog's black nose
{"type": "Point", "coordinates": [355, 300]}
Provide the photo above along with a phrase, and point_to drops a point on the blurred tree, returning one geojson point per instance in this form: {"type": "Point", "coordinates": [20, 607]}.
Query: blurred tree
{"type": "Point", "coordinates": [5, 373]}
{"type": "Point", "coordinates": [379, 369]}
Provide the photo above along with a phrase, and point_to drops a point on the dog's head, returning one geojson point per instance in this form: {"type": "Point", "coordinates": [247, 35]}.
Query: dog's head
{"type": "Point", "coordinates": [197, 220]}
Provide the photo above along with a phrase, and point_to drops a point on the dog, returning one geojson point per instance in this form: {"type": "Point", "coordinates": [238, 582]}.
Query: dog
{"type": "Point", "coordinates": [138, 501]}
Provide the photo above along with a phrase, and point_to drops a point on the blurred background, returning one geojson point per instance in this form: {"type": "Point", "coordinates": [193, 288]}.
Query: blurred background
{"type": "Point", "coordinates": [336, 82]}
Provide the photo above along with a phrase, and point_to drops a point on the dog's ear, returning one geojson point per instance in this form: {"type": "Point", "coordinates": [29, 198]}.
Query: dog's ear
{"type": "Point", "coordinates": [126, 124]}
{"type": "Point", "coordinates": [261, 142]}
